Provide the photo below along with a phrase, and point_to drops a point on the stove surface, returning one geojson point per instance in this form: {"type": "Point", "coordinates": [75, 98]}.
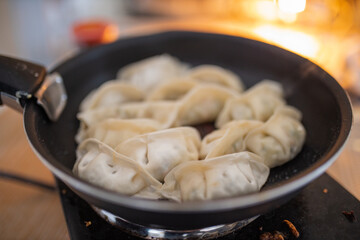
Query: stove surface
{"type": "Point", "coordinates": [316, 212]}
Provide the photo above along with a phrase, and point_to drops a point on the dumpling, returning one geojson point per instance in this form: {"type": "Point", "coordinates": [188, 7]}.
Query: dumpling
{"type": "Point", "coordinates": [228, 139]}
{"type": "Point", "coordinates": [172, 90]}
{"type": "Point", "coordinates": [202, 104]}
{"type": "Point", "coordinates": [217, 75]}
{"type": "Point", "coordinates": [162, 111]}
{"type": "Point", "coordinates": [111, 93]}
{"type": "Point", "coordinates": [280, 139]}
{"type": "Point", "coordinates": [150, 72]}
{"type": "Point", "coordinates": [98, 164]}
{"type": "Point", "coordinates": [257, 103]}
{"type": "Point", "coordinates": [203, 74]}
{"type": "Point", "coordinates": [159, 152]}
{"type": "Point", "coordinates": [226, 176]}
{"type": "Point", "coordinates": [114, 131]}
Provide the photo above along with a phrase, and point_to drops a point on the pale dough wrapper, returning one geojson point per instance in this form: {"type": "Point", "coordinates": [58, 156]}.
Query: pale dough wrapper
{"type": "Point", "coordinates": [203, 74]}
{"type": "Point", "coordinates": [97, 163]}
{"type": "Point", "coordinates": [159, 152]}
{"type": "Point", "coordinates": [226, 176]}
{"type": "Point", "coordinates": [162, 111]}
{"type": "Point", "coordinates": [111, 93]}
{"type": "Point", "coordinates": [257, 103]}
{"type": "Point", "coordinates": [202, 104]}
{"type": "Point", "coordinates": [114, 131]}
{"type": "Point", "coordinates": [217, 75]}
{"type": "Point", "coordinates": [280, 138]}
{"type": "Point", "coordinates": [172, 90]}
{"type": "Point", "coordinates": [148, 73]}
{"type": "Point", "coordinates": [229, 139]}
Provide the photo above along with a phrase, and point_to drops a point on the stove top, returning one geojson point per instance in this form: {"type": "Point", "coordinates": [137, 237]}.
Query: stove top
{"type": "Point", "coordinates": [316, 212]}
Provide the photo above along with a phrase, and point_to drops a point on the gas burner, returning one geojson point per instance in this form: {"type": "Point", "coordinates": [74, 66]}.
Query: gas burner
{"type": "Point", "coordinates": [159, 233]}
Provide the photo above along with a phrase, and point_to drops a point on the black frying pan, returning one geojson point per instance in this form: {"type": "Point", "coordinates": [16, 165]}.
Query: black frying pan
{"type": "Point", "coordinates": [326, 109]}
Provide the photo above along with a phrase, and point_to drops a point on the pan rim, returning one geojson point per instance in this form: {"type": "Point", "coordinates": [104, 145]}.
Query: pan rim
{"type": "Point", "coordinates": [272, 193]}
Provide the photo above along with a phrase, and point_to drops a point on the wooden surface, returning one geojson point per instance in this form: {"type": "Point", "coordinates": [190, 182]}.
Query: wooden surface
{"type": "Point", "coordinates": [28, 212]}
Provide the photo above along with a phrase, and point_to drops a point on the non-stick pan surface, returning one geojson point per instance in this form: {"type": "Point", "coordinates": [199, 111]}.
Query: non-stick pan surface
{"type": "Point", "coordinates": [326, 110]}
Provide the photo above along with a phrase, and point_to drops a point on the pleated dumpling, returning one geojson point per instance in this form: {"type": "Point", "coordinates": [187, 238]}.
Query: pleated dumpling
{"type": "Point", "coordinates": [279, 139]}
{"type": "Point", "coordinates": [172, 90]}
{"type": "Point", "coordinates": [114, 131]}
{"type": "Point", "coordinates": [229, 139]}
{"type": "Point", "coordinates": [148, 73]}
{"type": "Point", "coordinates": [159, 152]}
{"type": "Point", "coordinates": [111, 93]}
{"type": "Point", "coordinates": [217, 75]}
{"type": "Point", "coordinates": [257, 103]}
{"type": "Point", "coordinates": [226, 176]}
{"type": "Point", "coordinates": [202, 104]}
{"type": "Point", "coordinates": [100, 165]}
{"type": "Point", "coordinates": [162, 111]}
{"type": "Point", "coordinates": [203, 74]}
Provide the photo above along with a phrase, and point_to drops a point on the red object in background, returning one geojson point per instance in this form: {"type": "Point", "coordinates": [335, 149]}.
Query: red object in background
{"type": "Point", "coordinates": [95, 32]}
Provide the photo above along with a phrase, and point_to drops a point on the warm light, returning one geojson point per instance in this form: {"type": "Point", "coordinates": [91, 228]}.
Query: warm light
{"type": "Point", "coordinates": [292, 40]}
{"type": "Point", "coordinates": [291, 6]}
{"type": "Point", "coordinates": [266, 10]}
{"type": "Point", "coordinates": [287, 17]}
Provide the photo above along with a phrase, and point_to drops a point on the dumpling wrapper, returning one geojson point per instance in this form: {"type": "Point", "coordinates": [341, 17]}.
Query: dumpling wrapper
{"type": "Point", "coordinates": [172, 90]}
{"type": "Point", "coordinates": [203, 74]}
{"type": "Point", "coordinates": [229, 139]}
{"type": "Point", "coordinates": [111, 93]}
{"type": "Point", "coordinates": [114, 131]}
{"type": "Point", "coordinates": [149, 73]}
{"type": "Point", "coordinates": [159, 152]}
{"type": "Point", "coordinates": [100, 165]}
{"type": "Point", "coordinates": [226, 176]}
{"type": "Point", "coordinates": [257, 103]}
{"type": "Point", "coordinates": [280, 139]}
{"type": "Point", "coordinates": [216, 75]}
{"type": "Point", "coordinates": [202, 104]}
{"type": "Point", "coordinates": [162, 111]}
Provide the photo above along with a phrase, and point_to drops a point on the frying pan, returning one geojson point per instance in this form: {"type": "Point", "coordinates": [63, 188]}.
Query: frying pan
{"type": "Point", "coordinates": [326, 109]}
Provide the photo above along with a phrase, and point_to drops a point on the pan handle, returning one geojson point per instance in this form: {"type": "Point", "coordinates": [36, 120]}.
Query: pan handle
{"type": "Point", "coordinates": [21, 81]}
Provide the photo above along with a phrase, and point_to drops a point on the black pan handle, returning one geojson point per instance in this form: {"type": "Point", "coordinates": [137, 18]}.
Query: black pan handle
{"type": "Point", "coordinates": [21, 81]}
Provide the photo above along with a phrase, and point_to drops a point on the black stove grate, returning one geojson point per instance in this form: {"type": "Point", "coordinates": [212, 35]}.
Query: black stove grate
{"type": "Point", "coordinates": [316, 212]}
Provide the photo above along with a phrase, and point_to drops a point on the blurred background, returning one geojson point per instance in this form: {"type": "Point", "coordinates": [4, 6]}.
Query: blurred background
{"type": "Point", "coordinates": [49, 31]}
{"type": "Point", "coordinates": [325, 31]}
